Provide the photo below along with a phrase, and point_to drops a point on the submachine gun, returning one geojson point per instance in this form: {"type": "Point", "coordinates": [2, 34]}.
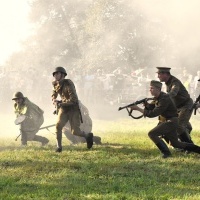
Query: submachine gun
{"type": "Point", "coordinates": [135, 103]}
{"type": "Point", "coordinates": [195, 105]}
{"type": "Point", "coordinates": [57, 107]}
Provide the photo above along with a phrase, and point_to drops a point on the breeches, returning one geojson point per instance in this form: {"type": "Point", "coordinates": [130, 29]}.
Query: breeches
{"type": "Point", "coordinates": [184, 115]}
{"type": "Point", "coordinates": [167, 128]}
{"type": "Point", "coordinates": [30, 127]}
{"type": "Point", "coordinates": [71, 116]}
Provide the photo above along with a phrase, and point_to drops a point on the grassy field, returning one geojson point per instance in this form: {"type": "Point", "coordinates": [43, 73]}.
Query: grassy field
{"type": "Point", "coordinates": [126, 166]}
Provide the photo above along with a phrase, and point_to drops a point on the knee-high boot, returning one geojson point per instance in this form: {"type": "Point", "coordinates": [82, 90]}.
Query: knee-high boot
{"type": "Point", "coordinates": [193, 148]}
{"type": "Point", "coordinates": [164, 149]}
{"type": "Point", "coordinates": [185, 137]}
{"type": "Point", "coordinates": [59, 144]}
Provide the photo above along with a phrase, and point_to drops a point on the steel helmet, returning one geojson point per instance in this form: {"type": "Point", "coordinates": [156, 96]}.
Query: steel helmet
{"type": "Point", "coordinates": [60, 69]}
{"type": "Point", "coordinates": [17, 95]}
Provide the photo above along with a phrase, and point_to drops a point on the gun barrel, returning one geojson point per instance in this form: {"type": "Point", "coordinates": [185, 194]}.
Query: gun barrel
{"type": "Point", "coordinates": [45, 127]}
{"type": "Point", "coordinates": [135, 103]}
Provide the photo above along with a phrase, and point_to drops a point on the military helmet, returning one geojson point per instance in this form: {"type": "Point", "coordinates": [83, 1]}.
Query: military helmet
{"type": "Point", "coordinates": [60, 69]}
{"type": "Point", "coordinates": [17, 95]}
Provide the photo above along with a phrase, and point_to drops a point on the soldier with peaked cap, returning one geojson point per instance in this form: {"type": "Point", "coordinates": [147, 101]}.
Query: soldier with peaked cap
{"type": "Point", "coordinates": [69, 110]}
{"type": "Point", "coordinates": [32, 117]}
{"type": "Point", "coordinates": [163, 106]}
{"type": "Point", "coordinates": [182, 100]}
{"type": "Point", "coordinates": [198, 104]}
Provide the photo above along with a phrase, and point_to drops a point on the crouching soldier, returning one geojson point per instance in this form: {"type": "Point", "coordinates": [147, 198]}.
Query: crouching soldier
{"type": "Point", "coordinates": [163, 106]}
{"type": "Point", "coordinates": [30, 118]}
{"type": "Point", "coordinates": [86, 126]}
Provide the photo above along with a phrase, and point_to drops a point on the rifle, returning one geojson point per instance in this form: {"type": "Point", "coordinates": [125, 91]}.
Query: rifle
{"type": "Point", "coordinates": [45, 127]}
{"type": "Point", "coordinates": [135, 103]}
{"type": "Point", "coordinates": [195, 104]}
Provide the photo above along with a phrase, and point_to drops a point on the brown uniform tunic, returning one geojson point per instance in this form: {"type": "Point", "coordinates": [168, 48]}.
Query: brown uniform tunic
{"type": "Point", "coordinates": [183, 102]}
{"type": "Point", "coordinates": [165, 108]}
{"type": "Point", "coordinates": [69, 110]}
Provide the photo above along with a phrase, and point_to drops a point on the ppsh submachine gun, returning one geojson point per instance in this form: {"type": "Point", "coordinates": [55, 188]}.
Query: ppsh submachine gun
{"type": "Point", "coordinates": [142, 101]}
{"type": "Point", "coordinates": [57, 107]}
{"type": "Point", "coordinates": [194, 107]}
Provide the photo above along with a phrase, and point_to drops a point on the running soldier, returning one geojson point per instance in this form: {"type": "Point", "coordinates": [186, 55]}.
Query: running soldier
{"type": "Point", "coordinates": [69, 110]}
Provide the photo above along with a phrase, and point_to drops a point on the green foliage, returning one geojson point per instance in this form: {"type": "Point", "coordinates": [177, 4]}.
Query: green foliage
{"type": "Point", "coordinates": [92, 34]}
{"type": "Point", "coordinates": [126, 167]}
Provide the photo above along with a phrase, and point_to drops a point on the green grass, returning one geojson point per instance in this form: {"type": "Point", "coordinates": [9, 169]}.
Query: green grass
{"type": "Point", "coordinates": [127, 166]}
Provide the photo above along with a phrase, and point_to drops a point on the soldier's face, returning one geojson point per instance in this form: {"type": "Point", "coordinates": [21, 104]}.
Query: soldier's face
{"type": "Point", "coordinates": [154, 91]}
{"type": "Point", "coordinates": [162, 77]}
{"type": "Point", "coordinates": [19, 101]}
{"type": "Point", "coordinates": [57, 76]}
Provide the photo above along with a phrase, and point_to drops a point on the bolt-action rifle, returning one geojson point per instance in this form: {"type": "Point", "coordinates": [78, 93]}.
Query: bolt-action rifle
{"type": "Point", "coordinates": [195, 105]}
{"type": "Point", "coordinates": [135, 103]}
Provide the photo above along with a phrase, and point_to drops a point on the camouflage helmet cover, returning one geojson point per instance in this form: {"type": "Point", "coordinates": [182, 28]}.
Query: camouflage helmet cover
{"type": "Point", "coordinates": [60, 69]}
{"type": "Point", "coordinates": [17, 95]}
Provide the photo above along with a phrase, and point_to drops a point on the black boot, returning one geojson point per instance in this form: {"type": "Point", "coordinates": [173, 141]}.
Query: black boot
{"type": "Point", "coordinates": [59, 144]}
{"type": "Point", "coordinates": [193, 148]}
{"type": "Point", "coordinates": [89, 140]}
{"type": "Point", "coordinates": [164, 149]}
{"type": "Point", "coordinates": [185, 137]}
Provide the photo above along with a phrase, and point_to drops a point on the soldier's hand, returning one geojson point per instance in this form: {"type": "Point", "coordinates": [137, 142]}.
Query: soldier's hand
{"type": "Point", "coordinates": [55, 101]}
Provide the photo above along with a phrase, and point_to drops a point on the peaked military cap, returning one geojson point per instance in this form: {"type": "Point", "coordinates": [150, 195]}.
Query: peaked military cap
{"type": "Point", "coordinates": [163, 69]}
{"type": "Point", "coordinates": [157, 84]}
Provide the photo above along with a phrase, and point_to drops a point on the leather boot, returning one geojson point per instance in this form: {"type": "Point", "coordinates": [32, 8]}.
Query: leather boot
{"type": "Point", "coordinates": [185, 137]}
{"type": "Point", "coordinates": [164, 149]}
{"type": "Point", "coordinates": [193, 148]}
{"type": "Point", "coordinates": [59, 144]}
{"type": "Point", "coordinates": [89, 140]}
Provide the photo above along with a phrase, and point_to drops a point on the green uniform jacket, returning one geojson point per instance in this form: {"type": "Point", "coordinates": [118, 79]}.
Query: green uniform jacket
{"type": "Point", "coordinates": [177, 91]}
{"type": "Point", "coordinates": [67, 92]}
{"type": "Point", "coordinates": [164, 107]}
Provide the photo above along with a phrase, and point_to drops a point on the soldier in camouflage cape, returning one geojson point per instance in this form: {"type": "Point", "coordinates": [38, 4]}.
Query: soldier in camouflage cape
{"type": "Point", "coordinates": [33, 119]}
